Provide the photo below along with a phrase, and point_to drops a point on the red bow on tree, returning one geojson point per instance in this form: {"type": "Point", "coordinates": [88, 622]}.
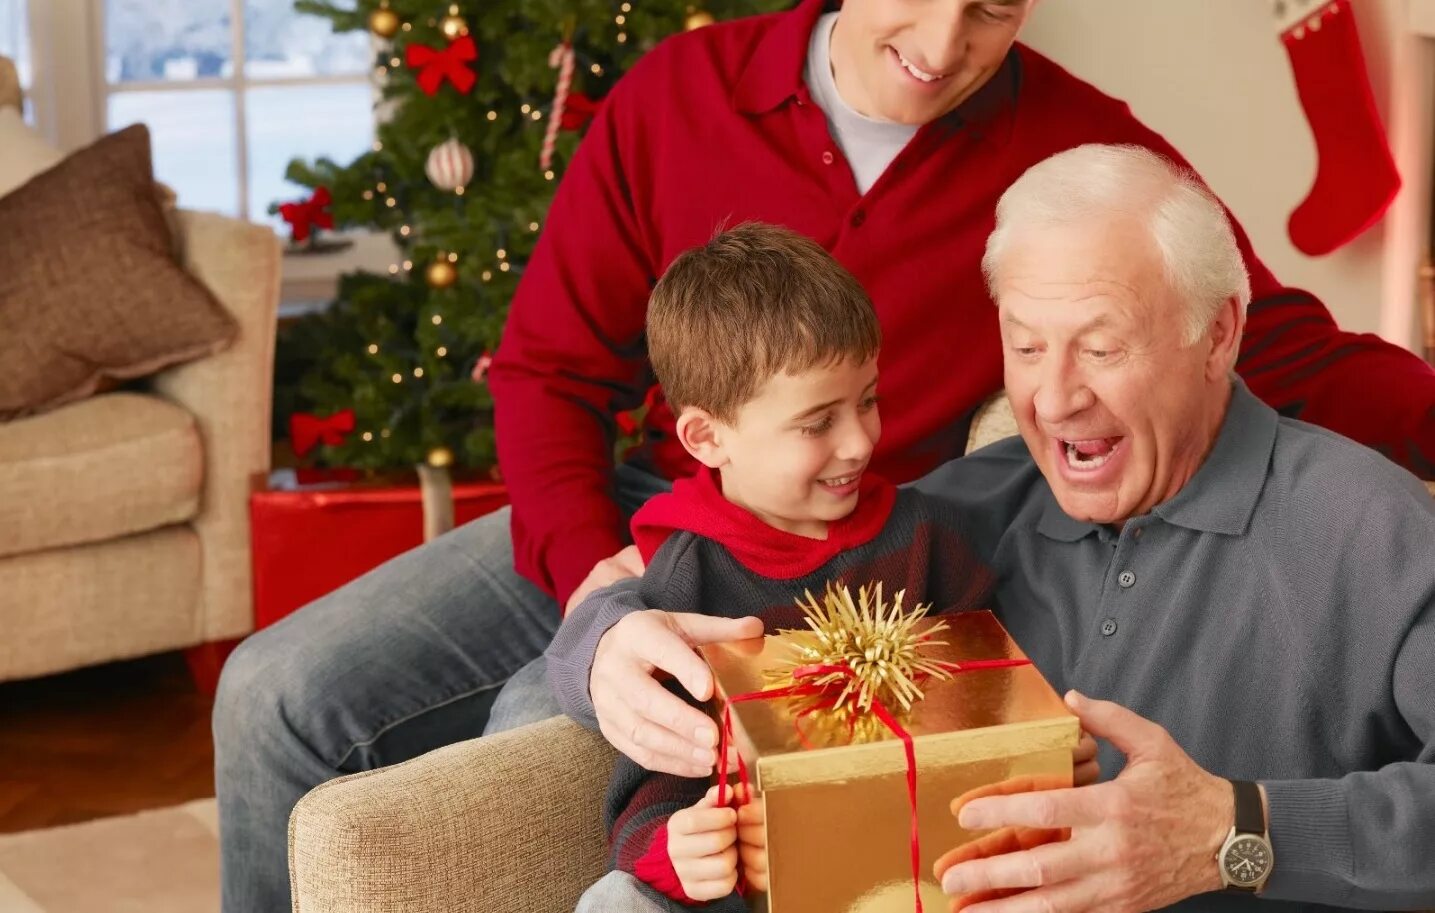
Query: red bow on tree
{"type": "Point", "coordinates": [435, 66]}
{"type": "Point", "coordinates": [307, 431]}
{"type": "Point", "coordinates": [579, 110]}
{"type": "Point", "coordinates": [305, 214]}
{"type": "Point", "coordinates": [630, 422]}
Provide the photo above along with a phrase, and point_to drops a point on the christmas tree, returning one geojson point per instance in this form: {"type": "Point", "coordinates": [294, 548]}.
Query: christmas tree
{"type": "Point", "coordinates": [484, 103]}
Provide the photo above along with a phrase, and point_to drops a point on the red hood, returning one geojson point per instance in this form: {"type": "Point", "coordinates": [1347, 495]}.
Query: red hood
{"type": "Point", "coordinates": [697, 505]}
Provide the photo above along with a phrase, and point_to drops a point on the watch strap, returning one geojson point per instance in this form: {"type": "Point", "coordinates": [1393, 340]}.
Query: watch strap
{"type": "Point", "coordinates": [1250, 812]}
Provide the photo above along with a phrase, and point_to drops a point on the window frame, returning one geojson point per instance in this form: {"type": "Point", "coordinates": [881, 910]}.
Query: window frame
{"type": "Point", "coordinates": [67, 55]}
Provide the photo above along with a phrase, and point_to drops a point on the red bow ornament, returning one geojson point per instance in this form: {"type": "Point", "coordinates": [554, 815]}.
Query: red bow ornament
{"type": "Point", "coordinates": [308, 431]}
{"type": "Point", "coordinates": [631, 422]}
{"type": "Point", "coordinates": [305, 214]}
{"type": "Point", "coordinates": [579, 110]}
{"type": "Point", "coordinates": [451, 63]}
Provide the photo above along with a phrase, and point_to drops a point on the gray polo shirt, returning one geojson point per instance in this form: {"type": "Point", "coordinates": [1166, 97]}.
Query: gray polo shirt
{"type": "Point", "coordinates": [1277, 617]}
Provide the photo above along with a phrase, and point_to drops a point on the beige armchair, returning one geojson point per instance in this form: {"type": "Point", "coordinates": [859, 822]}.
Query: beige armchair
{"type": "Point", "coordinates": [512, 822]}
{"type": "Point", "coordinates": [124, 525]}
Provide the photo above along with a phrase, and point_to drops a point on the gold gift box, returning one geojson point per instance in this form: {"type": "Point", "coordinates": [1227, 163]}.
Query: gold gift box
{"type": "Point", "coordinates": [838, 815]}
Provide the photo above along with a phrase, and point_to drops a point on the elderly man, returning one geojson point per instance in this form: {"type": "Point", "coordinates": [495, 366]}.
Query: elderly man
{"type": "Point", "coordinates": [1261, 591]}
{"type": "Point", "coordinates": [1251, 597]}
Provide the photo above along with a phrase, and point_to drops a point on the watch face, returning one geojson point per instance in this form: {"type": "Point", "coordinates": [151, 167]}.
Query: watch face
{"type": "Point", "coordinates": [1247, 860]}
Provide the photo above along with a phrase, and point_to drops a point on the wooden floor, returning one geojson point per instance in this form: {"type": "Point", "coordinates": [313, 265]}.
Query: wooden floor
{"type": "Point", "coordinates": [110, 740]}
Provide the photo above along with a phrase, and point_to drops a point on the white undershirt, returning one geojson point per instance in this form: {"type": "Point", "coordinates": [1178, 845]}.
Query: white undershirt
{"type": "Point", "coordinates": [869, 144]}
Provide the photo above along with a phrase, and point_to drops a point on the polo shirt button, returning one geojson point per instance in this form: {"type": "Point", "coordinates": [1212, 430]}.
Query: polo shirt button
{"type": "Point", "coordinates": [1108, 627]}
{"type": "Point", "coordinates": [1136, 533]}
{"type": "Point", "coordinates": [858, 218]}
{"type": "Point", "coordinates": [828, 158]}
{"type": "Point", "coordinates": [1127, 579]}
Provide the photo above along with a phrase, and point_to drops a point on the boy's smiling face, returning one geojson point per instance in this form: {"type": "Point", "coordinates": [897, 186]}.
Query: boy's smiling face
{"type": "Point", "coordinates": [795, 453]}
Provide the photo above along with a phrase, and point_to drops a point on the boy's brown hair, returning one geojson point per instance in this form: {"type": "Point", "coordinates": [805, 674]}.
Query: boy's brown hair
{"type": "Point", "coordinates": [754, 301]}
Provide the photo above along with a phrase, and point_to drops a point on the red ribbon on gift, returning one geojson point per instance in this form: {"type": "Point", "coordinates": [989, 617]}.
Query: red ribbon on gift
{"type": "Point", "coordinates": [451, 63]}
{"type": "Point", "coordinates": [579, 110]}
{"type": "Point", "coordinates": [829, 695]}
{"type": "Point", "coordinates": [307, 431]}
{"type": "Point", "coordinates": [305, 214]}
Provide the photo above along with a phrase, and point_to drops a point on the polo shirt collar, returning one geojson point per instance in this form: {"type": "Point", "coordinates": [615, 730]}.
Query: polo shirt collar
{"type": "Point", "coordinates": [774, 73]}
{"type": "Point", "coordinates": [1220, 497]}
{"type": "Point", "coordinates": [1057, 524]}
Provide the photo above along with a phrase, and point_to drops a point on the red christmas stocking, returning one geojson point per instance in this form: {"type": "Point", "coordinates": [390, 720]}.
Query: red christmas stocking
{"type": "Point", "coordinates": [1355, 177]}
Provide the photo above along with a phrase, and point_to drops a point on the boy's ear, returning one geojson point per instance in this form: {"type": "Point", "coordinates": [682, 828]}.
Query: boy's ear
{"type": "Point", "coordinates": [701, 435]}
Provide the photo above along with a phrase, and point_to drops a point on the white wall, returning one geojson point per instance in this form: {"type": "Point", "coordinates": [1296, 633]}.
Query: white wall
{"type": "Point", "coordinates": [1213, 77]}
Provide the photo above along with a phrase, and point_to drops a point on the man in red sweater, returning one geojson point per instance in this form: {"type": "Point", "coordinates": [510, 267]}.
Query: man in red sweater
{"type": "Point", "coordinates": [886, 132]}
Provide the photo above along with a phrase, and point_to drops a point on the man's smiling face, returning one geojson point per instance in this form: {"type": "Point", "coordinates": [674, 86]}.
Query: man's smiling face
{"type": "Point", "coordinates": [912, 61]}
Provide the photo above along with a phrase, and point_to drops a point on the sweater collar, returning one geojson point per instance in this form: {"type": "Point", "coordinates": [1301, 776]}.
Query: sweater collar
{"type": "Point", "coordinates": [697, 505]}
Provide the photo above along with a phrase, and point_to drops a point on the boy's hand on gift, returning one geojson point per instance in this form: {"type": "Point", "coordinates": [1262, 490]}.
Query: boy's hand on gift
{"type": "Point", "coordinates": [752, 838]}
{"type": "Point", "coordinates": [627, 563]}
{"type": "Point", "coordinates": [1142, 841]}
{"type": "Point", "coordinates": [640, 717]}
{"type": "Point", "coordinates": [702, 844]}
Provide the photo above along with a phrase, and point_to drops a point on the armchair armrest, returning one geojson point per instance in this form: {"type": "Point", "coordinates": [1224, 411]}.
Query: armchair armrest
{"type": "Point", "coordinates": [510, 822]}
{"type": "Point", "coordinates": [230, 395]}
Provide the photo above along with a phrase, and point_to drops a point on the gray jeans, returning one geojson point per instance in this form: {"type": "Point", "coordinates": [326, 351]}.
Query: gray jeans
{"type": "Point", "coordinates": [408, 658]}
{"type": "Point", "coordinates": [619, 892]}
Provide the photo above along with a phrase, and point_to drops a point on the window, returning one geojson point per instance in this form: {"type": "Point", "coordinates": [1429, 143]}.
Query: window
{"type": "Point", "coordinates": [15, 44]}
{"type": "Point", "coordinates": [231, 91]}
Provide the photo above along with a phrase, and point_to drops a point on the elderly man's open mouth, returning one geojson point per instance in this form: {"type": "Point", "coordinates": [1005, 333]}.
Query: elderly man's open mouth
{"type": "Point", "coordinates": [1089, 454]}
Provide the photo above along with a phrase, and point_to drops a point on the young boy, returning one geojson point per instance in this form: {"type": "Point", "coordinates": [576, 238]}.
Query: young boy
{"type": "Point", "coordinates": [767, 349]}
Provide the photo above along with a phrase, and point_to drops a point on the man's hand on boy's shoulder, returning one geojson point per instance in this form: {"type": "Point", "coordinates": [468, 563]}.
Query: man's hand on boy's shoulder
{"type": "Point", "coordinates": [641, 718]}
{"type": "Point", "coordinates": [627, 563]}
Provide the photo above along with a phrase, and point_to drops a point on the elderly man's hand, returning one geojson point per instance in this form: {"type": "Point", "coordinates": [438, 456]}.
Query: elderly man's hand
{"type": "Point", "coordinates": [1145, 840]}
{"type": "Point", "coordinates": [640, 717]}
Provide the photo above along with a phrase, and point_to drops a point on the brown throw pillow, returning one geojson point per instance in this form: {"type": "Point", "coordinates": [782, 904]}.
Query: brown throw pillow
{"type": "Point", "coordinates": [89, 288]}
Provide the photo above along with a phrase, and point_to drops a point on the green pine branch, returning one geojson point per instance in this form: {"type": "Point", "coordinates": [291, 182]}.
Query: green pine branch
{"type": "Point", "coordinates": [382, 324]}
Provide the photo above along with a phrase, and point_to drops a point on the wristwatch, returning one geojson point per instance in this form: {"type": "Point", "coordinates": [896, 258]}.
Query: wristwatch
{"type": "Point", "coordinates": [1246, 858]}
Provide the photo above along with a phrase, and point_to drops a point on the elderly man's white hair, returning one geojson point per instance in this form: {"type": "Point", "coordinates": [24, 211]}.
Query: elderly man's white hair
{"type": "Point", "coordinates": [1097, 182]}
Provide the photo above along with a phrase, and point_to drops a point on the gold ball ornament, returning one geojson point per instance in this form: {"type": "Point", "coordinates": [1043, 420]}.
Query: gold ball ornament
{"type": "Point", "coordinates": [384, 22]}
{"type": "Point", "coordinates": [441, 274]}
{"type": "Point", "coordinates": [440, 458]}
{"type": "Point", "coordinates": [697, 19]}
{"type": "Point", "coordinates": [453, 25]}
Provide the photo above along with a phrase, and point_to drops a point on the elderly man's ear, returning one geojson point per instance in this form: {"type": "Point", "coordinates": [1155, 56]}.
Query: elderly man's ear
{"type": "Point", "coordinates": [1224, 337]}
